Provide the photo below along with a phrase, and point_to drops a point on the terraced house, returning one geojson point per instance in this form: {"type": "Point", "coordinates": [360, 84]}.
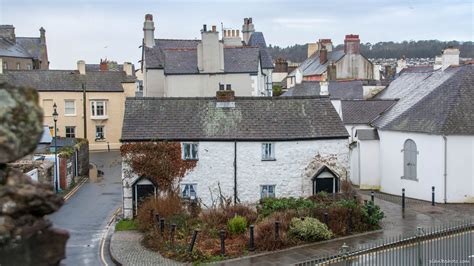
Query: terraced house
{"type": "Point", "coordinates": [189, 68]}
{"type": "Point", "coordinates": [242, 149]}
{"type": "Point", "coordinates": [90, 104]}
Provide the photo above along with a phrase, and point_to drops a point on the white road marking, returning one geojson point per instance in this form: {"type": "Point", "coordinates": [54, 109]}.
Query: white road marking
{"type": "Point", "coordinates": [104, 237]}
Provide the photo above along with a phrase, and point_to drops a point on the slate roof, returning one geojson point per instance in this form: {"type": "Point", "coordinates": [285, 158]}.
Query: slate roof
{"type": "Point", "coordinates": [257, 39]}
{"type": "Point", "coordinates": [312, 65]}
{"type": "Point", "coordinates": [180, 57]}
{"type": "Point", "coordinates": [252, 118]}
{"type": "Point", "coordinates": [437, 102]}
{"type": "Point", "coordinates": [67, 80]}
{"type": "Point", "coordinates": [9, 49]}
{"type": "Point", "coordinates": [30, 44]}
{"type": "Point", "coordinates": [367, 134]}
{"type": "Point", "coordinates": [363, 111]}
{"type": "Point", "coordinates": [352, 89]}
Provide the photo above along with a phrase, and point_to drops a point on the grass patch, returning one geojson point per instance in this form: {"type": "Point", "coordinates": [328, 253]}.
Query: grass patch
{"type": "Point", "coordinates": [125, 225]}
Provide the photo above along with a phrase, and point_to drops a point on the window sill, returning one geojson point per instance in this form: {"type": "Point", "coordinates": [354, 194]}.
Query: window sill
{"type": "Point", "coordinates": [100, 140]}
{"type": "Point", "coordinates": [99, 117]}
{"type": "Point", "coordinates": [190, 159]}
{"type": "Point", "coordinates": [409, 179]}
{"type": "Point", "coordinates": [268, 160]}
{"type": "Point", "coordinates": [70, 115]}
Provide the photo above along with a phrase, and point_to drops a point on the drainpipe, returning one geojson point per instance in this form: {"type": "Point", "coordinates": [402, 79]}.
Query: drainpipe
{"type": "Point", "coordinates": [235, 172]}
{"type": "Point", "coordinates": [445, 168]}
{"type": "Point", "coordinates": [358, 163]}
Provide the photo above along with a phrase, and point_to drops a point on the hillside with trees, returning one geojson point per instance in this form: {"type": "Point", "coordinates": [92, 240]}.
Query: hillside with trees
{"type": "Point", "coordinates": [413, 49]}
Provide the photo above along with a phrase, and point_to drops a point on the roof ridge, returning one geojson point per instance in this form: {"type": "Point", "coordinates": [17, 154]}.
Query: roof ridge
{"type": "Point", "coordinates": [162, 39]}
{"type": "Point", "coordinates": [237, 98]}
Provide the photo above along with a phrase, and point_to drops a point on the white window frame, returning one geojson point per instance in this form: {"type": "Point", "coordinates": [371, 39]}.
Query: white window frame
{"type": "Point", "coordinates": [265, 191]}
{"type": "Point", "coordinates": [18, 66]}
{"type": "Point", "coordinates": [65, 131]}
{"type": "Point", "coordinates": [5, 65]}
{"type": "Point", "coordinates": [192, 147]}
{"type": "Point", "coordinates": [66, 108]}
{"type": "Point", "coordinates": [186, 192]}
{"type": "Point", "coordinates": [103, 133]}
{"type": "Point", "coordinates": [268, 151]}
{"type": "Point", "coordinates": [28, 66]}
{"type": "Point", "coordinates": [94, 109]}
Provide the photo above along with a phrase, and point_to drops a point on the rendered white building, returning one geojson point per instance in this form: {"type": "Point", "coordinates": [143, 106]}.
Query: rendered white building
{"type": "Point", "coordinates": [250, 147]}
{"type": "Point", "coordinates": [200, 67]}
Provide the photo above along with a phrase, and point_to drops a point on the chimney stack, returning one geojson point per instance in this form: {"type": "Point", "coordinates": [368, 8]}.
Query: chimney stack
{"type": "Point", "coordinates": [225, 95]}
{"type": "Point", "coordinates": [127, 67]}
{"type": "Point", "coordinates": [323, 55]}
{"type": "Point", "coordinates": [42, 35]}
{"type": "Point", "coordinates": [8, 32]}
{"type": "Point", "coordinates": [352, 44]}
{"type": "Point", "coordinates": [247, 30]}
{"type": "Point", "coordinates": [326, 43]}
{"type": "Point", "coordinates": [149, 31]}
{"type": "Point", "coordinates": [450, 57]}
{"type": "Point", "coordinates": [210, 51]}
{"type": "Point", "coordinates": [312, 48]}
{"type": "Point", "coordinates": [104, 66]}
{"type": "Point", "coordinates": [81, 67]}
{"type": "Point", "coordinates": [332, 73]}
{"type": "Point", "coordinates": [324, 90]}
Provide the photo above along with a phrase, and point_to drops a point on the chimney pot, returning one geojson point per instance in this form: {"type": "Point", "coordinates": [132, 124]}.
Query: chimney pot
{"type": "Point", "coordinates": [81, 67]}
{"type": "Point", "coordinates": [204, 27]}
{"type": "Point", "coordinates": [149, 31]}
{"type": "Point", "coordinates": [213, 28]}
{"type": "Point", "coordinates": [149, 17]}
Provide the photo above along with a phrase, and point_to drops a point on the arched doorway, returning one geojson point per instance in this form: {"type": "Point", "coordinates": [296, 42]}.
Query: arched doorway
{"type": "Point", "coordinates": [325, 180]}
{"type": "Point", "coordinates": [142, 188]}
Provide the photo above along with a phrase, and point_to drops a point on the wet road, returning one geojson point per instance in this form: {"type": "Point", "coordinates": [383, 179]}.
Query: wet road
{"type": "Point", "coordinates": [86, 214]}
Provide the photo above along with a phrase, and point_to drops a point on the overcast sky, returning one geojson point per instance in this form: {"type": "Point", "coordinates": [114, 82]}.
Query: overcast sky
{"type": "Point", "coordinates": [94, 29]}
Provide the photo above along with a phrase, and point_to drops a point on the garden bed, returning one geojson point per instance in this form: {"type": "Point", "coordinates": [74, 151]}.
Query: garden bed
{"type": "Point", "coordinates": [169, 224]}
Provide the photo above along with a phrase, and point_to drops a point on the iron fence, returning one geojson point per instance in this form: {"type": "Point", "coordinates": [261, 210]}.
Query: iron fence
{"type": "Point", "coordinates": [448, 244]}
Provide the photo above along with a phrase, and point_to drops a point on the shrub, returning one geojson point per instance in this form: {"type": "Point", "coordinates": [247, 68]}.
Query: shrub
{"type": "Point", "coordinates": [376, 214]}
{"type": "Point", "coordinates": [241, 210]}
{"type": "Point", "coordinates": [214, 218]}
{"type": "Point", "coordinates": [164, 205]}
{"type": "Point", "coordinates": [309, 229]}
{"type": "Point", "coordinates": [125, 225]}
{"type": "Point", "coordinates": [269, 205]}
{"type": "Point", "coordinates": [237, 225]}
{"type": "Point", "coordinates": [265, 236]}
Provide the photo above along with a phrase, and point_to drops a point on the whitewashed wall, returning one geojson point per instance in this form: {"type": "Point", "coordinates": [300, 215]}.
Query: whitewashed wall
{"type": "Point", "coordinates": [430, 162]}
{"type": "Point", "coordinates": [369, 164]}
{"type": "Point", "coordinates": [288, 172]}
{"type": "Point", "coordinates": [460, 162]}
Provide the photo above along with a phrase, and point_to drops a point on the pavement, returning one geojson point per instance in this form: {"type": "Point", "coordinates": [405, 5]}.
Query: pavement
{"type": "Point", "coordinates": [125, 247]}
{"type": "Point", "coordinates": [87, 213]}
{"type": "Point", "coordinates": [398, 223]}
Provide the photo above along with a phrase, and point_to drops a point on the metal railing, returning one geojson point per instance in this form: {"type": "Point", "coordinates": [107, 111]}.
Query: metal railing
{"type": "Point", "coordinates": [449, 244]}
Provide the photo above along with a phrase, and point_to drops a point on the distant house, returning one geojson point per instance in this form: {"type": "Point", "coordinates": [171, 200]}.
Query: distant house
{"type": "Point", "coordinates": [426, 138]}
{"type": "Point", "coordinates": [325, 63]}
{"type": "Point", "coordinates": [22, 53]}
{"type": "Point", "coordinates": [189, 68]}
{"type": "Point", "coordinates": [252, 147]}
{"type": "Point", "coordinates": [105, 93]}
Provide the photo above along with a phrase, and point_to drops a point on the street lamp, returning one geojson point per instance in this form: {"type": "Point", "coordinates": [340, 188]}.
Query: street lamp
{"type": "Point", "coordinates": [56, 179]}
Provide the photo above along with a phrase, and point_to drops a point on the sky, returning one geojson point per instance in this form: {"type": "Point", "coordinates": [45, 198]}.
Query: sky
{"type": "Point", "coordinates": [93, 29]}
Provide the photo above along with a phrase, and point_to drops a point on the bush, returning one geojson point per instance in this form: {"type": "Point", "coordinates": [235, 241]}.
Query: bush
{"type": "Point", "coordinates": [265, 236]}
{"type": "Point", "coordinates": [125, 225]}
{"type": "Point", "coordinates": [376, 214]}
{"type": "Point", "coordinates": [237, 225]}
{"type": "Point", "coordinates": [165, 205]}
{"type": "Point", "coordinates": [270, 205]}
{"type": "Point", "coordinates": [241, 210]}
{"type": "Point", "coordinates": [214, 218]}
{"type": "Point", "coordinates": [309, 229]}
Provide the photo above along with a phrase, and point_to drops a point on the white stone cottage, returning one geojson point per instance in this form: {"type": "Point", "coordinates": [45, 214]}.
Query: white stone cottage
{"type": "Point", "coordinates": [197, 68]}
{"type": "Point", "coordinates": [250, 147]}
{"type": "Point", "coordinates": [427, 137]}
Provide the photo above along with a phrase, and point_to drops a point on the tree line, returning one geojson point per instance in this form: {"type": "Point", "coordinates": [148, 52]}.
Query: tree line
{"type": "Point", "coordinates": [412, 49]}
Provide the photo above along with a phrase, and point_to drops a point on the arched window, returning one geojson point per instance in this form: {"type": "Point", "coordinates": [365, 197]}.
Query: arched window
{"type": "Point", "coordinates": [409, 160]}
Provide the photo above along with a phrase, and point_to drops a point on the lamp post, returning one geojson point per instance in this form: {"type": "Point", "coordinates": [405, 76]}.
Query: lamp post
{"type": "Point", "coordinates": [56, 176]}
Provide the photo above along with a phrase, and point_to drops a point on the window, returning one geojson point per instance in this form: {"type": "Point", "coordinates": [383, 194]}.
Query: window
{"type": "Point", "coordinates": [190, 151]}
{"type": "Point", "coordinates": [70, 132]}
{"type": "Point", "coordinates": [99, 108]}
{"type": "Point", "coordinates": [268, 151]}
{"type": "Point", "coordinates": [28, 66]}
{"type": "Point", "coordinates": [228, 87]}
{"type": "Point", "coordinates": [5, 65]}
{"type": "Point", "coordinates": [18, 66]}
{"type": "Point", "coordinates": [409, 160]}
{"type": "Point", "coordinates": [267, 191]}
{"type": "Point", "coordinates": [99, 132]}
{"type": "Point", "coordinates": [221, 87]}
{"type": "Point", "coordinates": [69, 107]}
{"type": "Point", "coordinates": [188, 191]}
